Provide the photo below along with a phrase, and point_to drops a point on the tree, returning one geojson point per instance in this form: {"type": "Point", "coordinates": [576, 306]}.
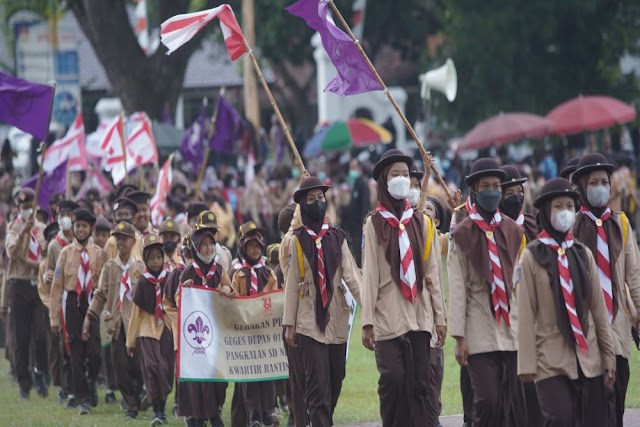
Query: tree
{"type": "Point", "coordinates": [531, 56]}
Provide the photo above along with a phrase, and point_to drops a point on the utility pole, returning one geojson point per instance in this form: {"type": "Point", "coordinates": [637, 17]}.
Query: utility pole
{"type": "Point", "coordinates": [251, 100]}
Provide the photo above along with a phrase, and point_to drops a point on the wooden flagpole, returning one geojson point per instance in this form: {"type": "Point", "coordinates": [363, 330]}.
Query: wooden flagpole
{"type": "Point", "coordinates": [207, 148]}
{"type": "Point", "coordinates": [272, 100]}
{"type": "Point", "coordinates": [68, 182]}
{"type": "Point", "coordinates": [423, 152]}
{"type": "Point", "coordinates": [123, 143]}
{"type": "Point", "coordinates": [44, 153]}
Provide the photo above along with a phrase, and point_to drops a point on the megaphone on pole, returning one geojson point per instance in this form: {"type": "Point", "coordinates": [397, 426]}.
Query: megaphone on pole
{"type": "Point", "coordinates": [443, 79]}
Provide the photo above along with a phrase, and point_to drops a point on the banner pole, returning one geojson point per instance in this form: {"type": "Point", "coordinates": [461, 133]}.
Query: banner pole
{"type": "Point", "coordinates": [44, 154]}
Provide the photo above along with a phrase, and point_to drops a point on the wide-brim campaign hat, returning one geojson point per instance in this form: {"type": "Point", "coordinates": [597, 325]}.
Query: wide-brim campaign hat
{"type": "Point", "coordinates": [484, 167]}
{"type": "Point", "coordinates": [556, 187]}
{"type": "Point", "coordinates": [307, 185]}
{"type": "Point", "coordinates": [513, 177]}
{"type": "Point", "coordinates": [250, 228]}
{"type": "Point", "coordinates": [124, 229]}
{"type": "Point", "coordinates": [206, 221]}
{"type": "Point", "coordinates": [414, 172]}
{"type": "Point", "coordinates": [570, 167]}
{"type": "Point", "coordinates": [589, 163]}
{"type": "Point", "coordinates": [169, 226]}
{"type": "Point", "coordinates": [389, 157]}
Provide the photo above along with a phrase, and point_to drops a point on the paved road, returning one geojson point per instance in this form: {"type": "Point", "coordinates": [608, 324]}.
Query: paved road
{"type": "Point", "coordinates": [631, 418]}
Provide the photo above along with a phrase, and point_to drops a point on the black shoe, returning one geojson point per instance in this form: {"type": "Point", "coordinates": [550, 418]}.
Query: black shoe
{"type": "Point", "coordinates": [110, 397]}
{"type": "Point", "coordinates": [62, 396]}
{"type": "Point", "coordinates": [145, 403]}
{"type": "Point", "coordinates": [24, 394]}
{"type": "Point", "coordinates": [157, 419]}
{"type": "Point", "coordinates": [255, 423]}
{"type": "Point", "coordinates": [216, 422]}
{"type": "Point", "coordinates": [131, 415]}
{"type": "Point", "coordinates": [267, 419]}
{"type": "Point", "coordinates": [84, 409]}
{"type": "Point", "coordinates": [94, 399]}
{"type": "Point", "coordinates": [72, 403]}
{"type": "Point", "coordinates": [43, 390]}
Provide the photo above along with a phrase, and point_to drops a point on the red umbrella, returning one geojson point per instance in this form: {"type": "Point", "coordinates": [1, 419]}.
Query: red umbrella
{"type": "Point", "coordinates": [503, 128]}
{"type": "Point", "coordinates": [589, 113]}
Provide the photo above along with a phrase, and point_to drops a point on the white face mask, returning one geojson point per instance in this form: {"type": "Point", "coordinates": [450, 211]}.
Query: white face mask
{"type": "Point", "coordinates": [414, 196]}
{"type": "Point", "coordinates": [598, 196]}
{"type": "Point", "coordinates": [399, 187]}
{"type": "Point", "coordinates": [65, 223]}
{"type": "Point", "coordinates": [206, 259]}
{"type": "Point", "coordinates": [26, 213]}
{"type": "Point", "coordinates": [563, 221]}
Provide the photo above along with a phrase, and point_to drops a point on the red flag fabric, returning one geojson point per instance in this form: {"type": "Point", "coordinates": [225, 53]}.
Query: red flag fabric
{"type": "Point", "coordinates": [71, 147]}
{"type": "Point", "coordinates": [112, 143]}
{"type": "Point", "coordinates": [176, 31]}
{"type": "Point", "coordinates": [141, 145]}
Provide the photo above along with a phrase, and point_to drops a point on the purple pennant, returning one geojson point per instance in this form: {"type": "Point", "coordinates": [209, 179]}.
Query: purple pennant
{"type": "Point", "coordinates": [52, 182]}
{"type": "Point", "coordinates": [192, 146]}
{"type": "Point", "coordinates": [354, 75]}
{"type": "Point", "coordinates": [25, 105]}
{"type": "Point", "coordinates": [228, 127]}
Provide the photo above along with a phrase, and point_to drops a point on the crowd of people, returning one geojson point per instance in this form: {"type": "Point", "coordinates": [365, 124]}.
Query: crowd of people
{"type": "Point", "coordinates": [543, 278]}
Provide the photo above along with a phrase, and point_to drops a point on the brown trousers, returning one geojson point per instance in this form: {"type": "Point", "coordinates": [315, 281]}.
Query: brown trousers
{"type": "Point", "coordinates": [126, 370]}
{"type": "Point", "coordinates": [436, 375]}
{"type": "Point", "coordinates": [297, 385]}
{"type": "Point", "coordinates": [53, 353]}
{"type": "Point", "coordinates": [572, 403]}
{"type": "Point", "coordinates": [199, 400]}
{"type": "Point", "coordinates": [258, 398]}
{"type": "Point", "coordinates": [616, 398]}
{"type": "Point", "coordinates": [467, 395]}
{"type": "Point", "coordinates": [534, 414]}
{"type": "Point", "coordinates": [27, 320]}
{"type": "Point", "coordinates": [158, 364]}
{"type": "Point", "coordinates": [403, 364]}
{"type": "Point", "coordinates": [498, 397]}
{"type": "Point", "coordinates": [84, 355]}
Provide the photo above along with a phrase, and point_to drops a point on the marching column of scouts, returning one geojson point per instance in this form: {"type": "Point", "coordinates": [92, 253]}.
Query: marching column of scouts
{"type": "Point", "coordinates": [541, 308]}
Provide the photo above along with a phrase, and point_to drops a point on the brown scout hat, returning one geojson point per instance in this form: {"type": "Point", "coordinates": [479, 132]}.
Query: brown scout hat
{"type": "Point", "coordinates": [151, 240]}
{"type": "Point", "coordinates": [250, 228]}
{"type": "Point", "coordinates": [169, 226]}
{"type": "Point", "coordinates": [124, 203]}
{"type": "Point", "coordinates": [83, 215]}
{"type": "Point", "coordinates": [124, 229]}
{"type": "Point", "coordinates": [307, 185]}
{"type": "Point", "coordinates": [103, 224]}
{"type": "Point", "coordinates": [589, 163]}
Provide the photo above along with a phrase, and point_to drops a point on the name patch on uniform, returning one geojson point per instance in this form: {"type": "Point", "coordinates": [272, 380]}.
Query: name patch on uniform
{"type": "Point", "coordinates": [58, 271]}
{"type": "Point", "coordinates": [518, 275]}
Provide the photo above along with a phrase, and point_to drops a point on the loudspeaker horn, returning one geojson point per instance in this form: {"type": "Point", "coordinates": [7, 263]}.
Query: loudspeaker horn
{"type": "Point", "coordinates": [443, 79]}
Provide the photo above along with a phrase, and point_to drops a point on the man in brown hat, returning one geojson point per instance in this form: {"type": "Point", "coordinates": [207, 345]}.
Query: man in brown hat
{"type": "Point", "coordinates": [75, 278]}
{"type": "Point", "coordinates": [611, 239]}
{"type": "Point", "coordinates": [142, 219]}
{"type": "Point", "coordinates": [124, 211]}
{"type": "Point", "coordinates": [24, 243]}
{"type": "Point", "coordinates": [483, 315]}
{"type": "Point", "coordinates": [114, 293]}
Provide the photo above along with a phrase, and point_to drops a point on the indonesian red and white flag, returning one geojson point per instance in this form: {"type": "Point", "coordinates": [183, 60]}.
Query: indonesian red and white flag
{"type": "Point", "coordinates": [71, 148]}
{"type": "Point", "coordinates": [176, 31]}
{"type": "Point", "coordinates": [141, 145]}
{"type": "Point", "coordinates": [159, 199]}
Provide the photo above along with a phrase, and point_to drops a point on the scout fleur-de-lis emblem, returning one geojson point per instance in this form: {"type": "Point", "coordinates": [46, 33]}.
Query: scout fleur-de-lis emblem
{"type": "Point", "coordinates": [199, 329]}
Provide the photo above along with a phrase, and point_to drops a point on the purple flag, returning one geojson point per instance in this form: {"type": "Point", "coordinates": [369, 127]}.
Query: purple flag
{"type": "Point", "coordinates": [192, 147]}
{"type": "Point", "coordinates": [354, 75]}
{"type": "Point", "coordinates": [52, 182]}
{"type": "Point", "coordinates": [25, 105]}
{"type": "Point", "coordinates": [228, 127]}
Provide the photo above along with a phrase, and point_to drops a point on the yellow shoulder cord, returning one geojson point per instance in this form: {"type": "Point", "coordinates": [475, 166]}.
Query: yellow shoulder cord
{"type": "Point", "coordinates": [300, 259]}
{"type": "Point", "coordinates": [625, 227]}
{"type": "Point", "coordinates": [430, 235]}
{"type": "Point", "coordinates": [523, 244]}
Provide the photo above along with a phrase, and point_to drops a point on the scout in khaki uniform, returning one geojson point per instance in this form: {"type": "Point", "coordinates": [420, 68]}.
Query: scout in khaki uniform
{"type": "Point", "coordinates": [224, 254]}
{"type": "Point", "coordinates": [59, 355]}
{"type": "Point", "coordinates": [253, 278]}
{"type": "Point", "coordinates": [124, 211]}
{"type": "Point", "coordinates": [483, 312]}
{"type": "Point", "coordinates": [612, 242]}
{"type": "Point", "coordinates": [150, 331]}
{"type": "Point", "coordinates": [316, 313]}
{"type": "Point", "coordinates": [200, 401]}
{"type": "Point", "coordinates": [513, 200]}
{"type": "Point", "coordinates": [564, 339]}
{"type": "Point", "coordinates": [102, 231]}
{"type": "Point", "coordinates": [170, 236]}
{"type": "Point", "coordinates": [114, 297]}
{"type": "Point", "coordinates": [24, 244]}
{"type": "Point", "coordinates": [76, 276]}
{"type": "Point", "coordinates": [401, 295]}
{"type": "Point", "coordinates": [142, 218]}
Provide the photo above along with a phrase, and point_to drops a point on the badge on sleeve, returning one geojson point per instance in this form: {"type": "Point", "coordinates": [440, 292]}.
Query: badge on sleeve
{"type": "Point", "coordinates": [517, 276]}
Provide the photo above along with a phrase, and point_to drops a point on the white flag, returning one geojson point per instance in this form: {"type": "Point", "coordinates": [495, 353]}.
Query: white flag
{"type": "Point", "coordinates": [71, 147]}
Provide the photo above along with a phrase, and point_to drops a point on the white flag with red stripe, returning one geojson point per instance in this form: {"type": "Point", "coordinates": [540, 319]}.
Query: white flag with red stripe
{"type": "Point", "coordinates": [71, 147]}
{"type": "Point", "coordinates": [112, 144]}
{"type": "Point", "coordinates": [159, 199]}
{"type": "Point", "coordinates": [141, 145]}
{"type": "Point", "coordinates": [94, 180]}
{"type": "Point", "coordinates": [176, 31]}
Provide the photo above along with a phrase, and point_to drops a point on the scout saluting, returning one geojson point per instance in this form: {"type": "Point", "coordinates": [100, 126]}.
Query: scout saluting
{"type": "Point", "coordinates": [613, 245]}
{"type": "Point", "coordinates": [564, 338]}
{"type": "Point", "coordinates": [483, 316]}
{"type": "Point", "coordinates": [114, 296]}
{"type": "Point", "coordinates": [401, 295]}
{"type": "Point", "coordinates": [199, 401]}
{"type": "Point", "coordinates": [148, 329]}
{"type": "Point", "coordinates": [75, 278]}
{"type": "Point", "coordinates": [254, 277]}
{"type": "Point", "coordinates": [513, 199]}
{"type": "Point", "coordinates": [316, 313]}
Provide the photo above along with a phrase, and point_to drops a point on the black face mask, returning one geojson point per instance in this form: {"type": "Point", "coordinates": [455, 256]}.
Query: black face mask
{"type": "Point", "coordinates": [316, 210]}
{"type": "Point", "coordinates": [489, 200]}
{"type": "Point", "coordinates": [512, 205]}
{"type": "Point", "coordinates": [169, 247]}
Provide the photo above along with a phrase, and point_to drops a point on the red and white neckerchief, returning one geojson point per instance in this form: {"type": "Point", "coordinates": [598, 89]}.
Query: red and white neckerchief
{"type": "Point", "coordinates": [61, 239]}
{"type": "Point", "coordinates": [520, 219]}
{"type": "Point", "coordinates": [566, 284]}
{"type": "Point", "coordinates": [602, 258]}
{"type": "Point", "coordinates": [125, 282]}
{"type": "Point", "coordinates": [212, 271]}
{"type": "Point", "coordinates": [254, 275]}
{"type": "Point", "coordinates": [84, 282]}
{"type": "Point", "coordinates": [408, 279]}
{"type": "Point", "coordinates": [157, 282]}
{"type": "Point", "coordinates": [467, 205]}
{"type": "Point", "coordinates": [498, 289]}
{"type": "Point", "coordinates": [321, 273]}
{"type": "Point", "coordinates": [34, 250]}
{"type": "Point", "coordinates": [169, 266]}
